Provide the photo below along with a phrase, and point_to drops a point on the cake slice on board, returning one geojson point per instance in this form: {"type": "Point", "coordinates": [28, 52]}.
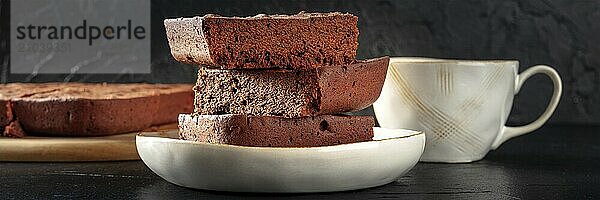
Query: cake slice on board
{"type": "Point", "coordinates": [88, 109]}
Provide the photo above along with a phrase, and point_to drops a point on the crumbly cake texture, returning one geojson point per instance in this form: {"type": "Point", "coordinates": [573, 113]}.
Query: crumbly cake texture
{"type": "Point", "coordinates": [266, 131]}
{"type": "Point", "coordinates": [87, 109]}
{"type": "Point", "coordinates": [304, 40]}
{"type": "Point", "coordinates": [290, 93]}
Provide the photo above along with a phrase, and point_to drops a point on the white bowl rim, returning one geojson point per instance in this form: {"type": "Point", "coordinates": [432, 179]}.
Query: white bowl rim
{"type": "Point", "coordinates": [154, 134]}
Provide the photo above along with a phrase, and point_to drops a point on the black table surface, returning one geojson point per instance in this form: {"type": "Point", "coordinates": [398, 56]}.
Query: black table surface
{"type": "Point", "coordinates": [554, 162]}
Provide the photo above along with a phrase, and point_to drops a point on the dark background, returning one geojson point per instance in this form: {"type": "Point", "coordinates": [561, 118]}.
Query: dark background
{"type": "Point", "coordinates": [560, 33]}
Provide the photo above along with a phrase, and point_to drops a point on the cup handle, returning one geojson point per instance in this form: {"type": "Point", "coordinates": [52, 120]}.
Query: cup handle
{"type": "Point", "coordinates": [510, 132]}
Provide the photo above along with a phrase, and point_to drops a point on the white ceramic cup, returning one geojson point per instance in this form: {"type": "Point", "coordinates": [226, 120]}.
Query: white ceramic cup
{"type": "Point", "coordinates": [460, 105]}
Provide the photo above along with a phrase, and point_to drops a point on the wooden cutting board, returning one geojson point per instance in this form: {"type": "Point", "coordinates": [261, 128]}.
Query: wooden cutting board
{"type": "Point", "coordinates": [72, 149]}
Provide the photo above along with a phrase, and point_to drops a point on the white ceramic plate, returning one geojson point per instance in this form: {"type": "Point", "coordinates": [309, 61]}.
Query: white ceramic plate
{"type": "Point", "coordinates": [392, 153]}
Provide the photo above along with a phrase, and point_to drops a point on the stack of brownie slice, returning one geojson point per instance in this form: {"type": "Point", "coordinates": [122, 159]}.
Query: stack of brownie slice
{"type": "Point", "coordinates": [276, 80]}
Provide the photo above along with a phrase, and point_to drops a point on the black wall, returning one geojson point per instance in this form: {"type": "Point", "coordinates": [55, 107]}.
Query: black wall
{"type": "Point", "coordinates": [562, 33]}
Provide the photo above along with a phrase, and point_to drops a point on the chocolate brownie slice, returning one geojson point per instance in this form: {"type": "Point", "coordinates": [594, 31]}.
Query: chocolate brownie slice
{"type": "Point", "coordinates": [4, 118]}
{"type": "Point", "coordinates": [265, 131]}
{"type": "Point", "coordinates": [304, 40]}
{"type": "Point", "coordinates": [79, 109]}
{"type": "Point", "coordinates": [290, 93]}
{"type": "Point", "coordinates": [9, 92]}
